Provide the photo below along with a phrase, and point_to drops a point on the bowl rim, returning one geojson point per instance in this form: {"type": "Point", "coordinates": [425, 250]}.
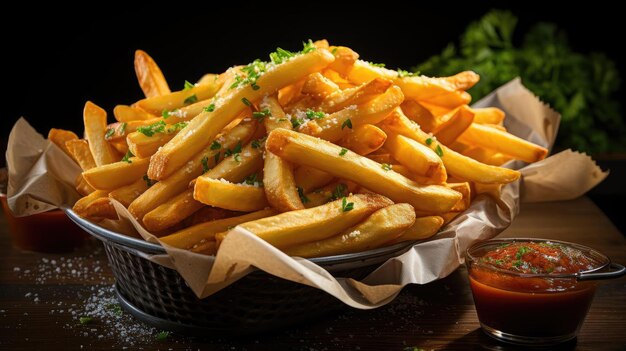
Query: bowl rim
{"type": "Point", "coordinates": [143, 246]}
{"type": "Point", "coordinates": [606, 261]}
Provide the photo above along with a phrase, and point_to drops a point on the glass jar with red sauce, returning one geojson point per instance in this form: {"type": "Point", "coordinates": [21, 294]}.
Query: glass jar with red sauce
{"type": "Point", "coordinates": [535, 291]}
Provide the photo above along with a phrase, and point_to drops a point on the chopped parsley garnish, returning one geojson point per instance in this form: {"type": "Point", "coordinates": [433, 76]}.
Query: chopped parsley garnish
{"type": "Point", "coordinates": [334, 50]}
{"type": "Point", "coordinates": [246, 101]}
{"type": "Point", "coordinates": [386, 166]}
{"type": "Point", "coordinates": [429, 141]}
{"type": "Point", "coordinates": [84, 320]}
{"type": "Point", "coordinates": [150, 130]}
{"type": "Point", "coordinates": [439, 150]}
{"type": "Point", "coordinates": [308, 47]}
{"type": "Point", "coordinates": [522, 251]}
{"type": "Point", "coordinates": [109, 133]}
{"type": "Point", "coordinates": [117, 309]}
{"type": "Point", "coordinates": [190, 100]}
{"type": "Point", "coordinates": [215, 145]}
{"type": "Point", "coordinates": [314, 114]}
{"type": "Point", "coordinates": [237, 157]}
{"type": "Point", "coordinates": [123, 127]}
{"type": "Point", "coordinates": [346, 123]}
{"type": "Point", "coordinates": [235, 150]}
{"type": "Point", "coordinates": [258, 142]}
{"type": "Point", "coordinates": [303, 197]}
{"type": "Point", "coordinates": [188, 85]}
{"type": "Point", "coordinates": [165, 114]}
{"type": "Point", "coordinates": [216, 158]}
{"type": "Point", "coordinates": [343, 151]}
{"type": "Point", "coordinates": [381, 65]}
{"type": "Point", "coordinates": [176, 127]}
{"type": "Point", "coordinates": [253, 71]}
{"type": "Point", "coordinates": [282, 120]}
{"type": "Point", "coordinates": [161, 336]}
{"type": "Point", "coordinates": [339, 191]}
{"type": "Point", "coordinates": [205, 164]}
{"type": "Point", "coordinates": [295, 123]}
{"type": "Point", "coordinates": [252, 179]}
{"type": "Point", "coordinates": [210, 108]}
{"type": "Point", "coordinates": [259, 115]}
{"type": "Point", "coordinates": [148, 181]}
{"type": "Point", "coordinates": [402, 73]}
{"type": "Point", "coordinates": [346, 206]}
{"type": "Point", "coordinates": [127, 157]}
{"type": "Point", "coordinates": [281, 55]}
{"type": "Point", "coordinates": [517, 263]}
{"type": "Point", "coordinates": [236, 83]}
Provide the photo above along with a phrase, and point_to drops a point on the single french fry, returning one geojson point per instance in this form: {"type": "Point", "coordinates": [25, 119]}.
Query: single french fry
{"type": "Point", "coordinates": [95, 205]}
{"type": "Point", "coordinates": [179, 180]}
{"type": "Point", "coordinates": [172, 212]}
{"type": "Point", "coordinates": [79, 150]}
{"type": "Point", "coordinates": [203, 232]}
{"type": "Point", "coordinates": [488, 115]}
{"type": "Point", "coordinates": [455, 163]}
{"type": "Point", "coordinates": [462, 80]}
{"type": "Point", "coordinates": [235, 197]}
{"type": "Point", "coordinates": [318, 86]}
{"type": "Point", "coordinates": [124, 113]}
{"type": "Point", "coordinates": [334, 126]}
{"type": "Point", "coordinates": [117, 174]}
{"type": "Point", "coordinates": [458, 122]}
{"type": "Point", "coordinates": [149, 75]}
{"type": "Point", "coordinates": [414, 87]}
{"type": "Point", "coordinates": [318, 223]}
{"type": "Point", "coordinates": [375, 231]}
{"type": "Point", "coordinates": [306, 150]}
{"type": "Point", "coordinates": [465, 190]}
{"type": "Point", "coordinates": [204, 127]}
{"type": "Point", "coordinates": [331, 192]}
{"type": "Point", "coordinates": [341, 99]}
{"type": "Point", "coordinates": [344, 59]}
{"type": "Point", "coordinates": [278, 179]}
{"type": "Point", "coordinates": [420, 159]}
{"type": "Point", "coordinates": [95, 119]}
{"type": "Point", "coordinates": [128, 193]}
{"type": "Point", "coordinates": [82, 186]}
{"type": "Point", "coordinates": [60, 136]}
{"type": "Point", "coordinates": [145, 146]}
{"type": "Point", "coordinates": [175, 100]}
{"type": "Point", "coordinates": [364, 139]}
{"type": "Point", "coordinates": [422, 228]}
{"type": "Point", "coordinates": [420, 115]}
{"type": "Point", "coordinates": [449, 216]}
{"type": "Point", "coordinates": [503, 142]}
{"type": "Point", "coordinates": [498, 159]}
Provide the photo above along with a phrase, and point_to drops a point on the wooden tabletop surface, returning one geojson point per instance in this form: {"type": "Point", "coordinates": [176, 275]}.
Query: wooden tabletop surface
{"type": "Point", "coordinates": [43, 296]}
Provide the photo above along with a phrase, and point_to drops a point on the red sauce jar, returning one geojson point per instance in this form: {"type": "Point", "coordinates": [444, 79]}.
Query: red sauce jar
{"type": "Point", "coordinates": [50, 231]}
{"type": "Point", "coordinates": [534, 291]}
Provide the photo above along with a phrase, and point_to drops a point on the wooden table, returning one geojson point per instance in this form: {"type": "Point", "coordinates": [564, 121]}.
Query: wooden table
{"type": "Point", "coordinates": [35, 312]}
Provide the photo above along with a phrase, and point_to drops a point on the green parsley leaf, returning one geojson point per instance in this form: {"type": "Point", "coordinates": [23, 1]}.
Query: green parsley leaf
{"type": "Point", "coordinates": [188, 85]}
{"type": "Point", "coordinates": [402, 73]}
{"type": "Point", "coordinates": [282, 120]}
{"type": "Point", "coordinates": [295, 123]}
{"type": "Point", "coordinates": [310, 114]}
{"type": "Point", "coordinates": [281, 55]}
{"type": "Point", "coordinates": [216, 158]}
{"type": "Point", "coordinates": [190, 100]}
{"type": "Point", "coordinates": [215, 145]}
{"type": "Point", "coordinates": [381, 65]}
{"type": "Point", "coordinates": [175, 127]}
{"type": "Point", "coordinates": [84, 320]}
{"type": "Point", "coordinates": [236, 83]}
{"type": "Point", "coordinates": [210, 108]}
{"type": "Point", "coordinates": [346, 123]}
{"type": "Point", "coordinates": [127, 157]}
{"type": "Point", "coordinates": [235, 150]}
{"type": "Point", "coordinates": [123, 127]}
{"type": "Point", "coordinates": [246, 101]}
{"type": "Point", "coordinates": [150, 130]}
{"type": "Point", "coordinates": [303, 197]}
{"type": "Point", "coordinates": [346, 206]}
{"type": "Point", "coordinates": [339, 191]}
{"type": "Point", "coordinates": [109, 133]}
{"type": "Point", "coordinates": [237, 157]}
{"type": "Point", "coordinates": [308, 47]}
{"type": "Point", "coordinates": [162, 336]}
{"type": "Point", "coordinates": [258, 142]}
{"type": "Point", "coordinates": [439, 150]}
{"type": "Point", "coordinates": [259, 115]}
{"type": "Point", "coordinates": [343, 151]}
{"type": "Point", "coordinates": [334, 50]}
{"type": "Point", "coordinates": [205, 164]}
{"type": "Point", "coordinates": [386, 166]}
{"type": "Point", "coordinates": [251, 179]}
{"type": "Point", "coordinates": [522, 251]}
{"type": "Point", "coordinates": [148, 181]}
{"type": "Point", "coordinates": [165, 114]}
{"type": "Point", "coordinates": [429, 141]}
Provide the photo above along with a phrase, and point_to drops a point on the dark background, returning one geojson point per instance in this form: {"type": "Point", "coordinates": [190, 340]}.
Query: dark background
{"type": "Point", "coordinates": [54, 61]}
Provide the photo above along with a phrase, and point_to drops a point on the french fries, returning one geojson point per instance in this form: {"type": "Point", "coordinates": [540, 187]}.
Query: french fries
{"type": "Point", "coordinates": [317, 152]}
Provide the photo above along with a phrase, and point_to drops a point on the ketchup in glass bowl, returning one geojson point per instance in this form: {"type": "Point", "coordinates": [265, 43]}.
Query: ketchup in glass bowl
{"type": "Point", "coordinates": [535, 291]}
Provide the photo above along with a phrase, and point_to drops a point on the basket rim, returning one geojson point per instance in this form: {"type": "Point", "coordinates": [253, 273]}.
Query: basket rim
{"type": "Point", "coordinates": [109, 236]}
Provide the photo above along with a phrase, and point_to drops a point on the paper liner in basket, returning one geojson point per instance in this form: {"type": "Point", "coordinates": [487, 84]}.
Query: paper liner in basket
{"type": "Point", "coordinates": [41, 177]}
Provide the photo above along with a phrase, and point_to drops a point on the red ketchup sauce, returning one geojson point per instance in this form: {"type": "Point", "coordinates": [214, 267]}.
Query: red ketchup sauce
{"type": "Point", "coordinates": [517, 290]}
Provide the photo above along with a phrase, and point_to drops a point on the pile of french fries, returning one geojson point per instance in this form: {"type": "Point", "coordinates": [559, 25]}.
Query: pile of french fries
{"type": "Point", "coordinates": [316, 152]}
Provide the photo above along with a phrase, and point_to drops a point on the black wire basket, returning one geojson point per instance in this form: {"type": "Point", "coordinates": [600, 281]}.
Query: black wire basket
{"type": "Point", "coordinates": [256, 303]}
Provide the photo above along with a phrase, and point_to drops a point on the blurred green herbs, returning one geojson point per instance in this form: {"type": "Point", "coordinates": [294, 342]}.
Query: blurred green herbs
{"type": "Point", "coordinates": [581, 87]}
